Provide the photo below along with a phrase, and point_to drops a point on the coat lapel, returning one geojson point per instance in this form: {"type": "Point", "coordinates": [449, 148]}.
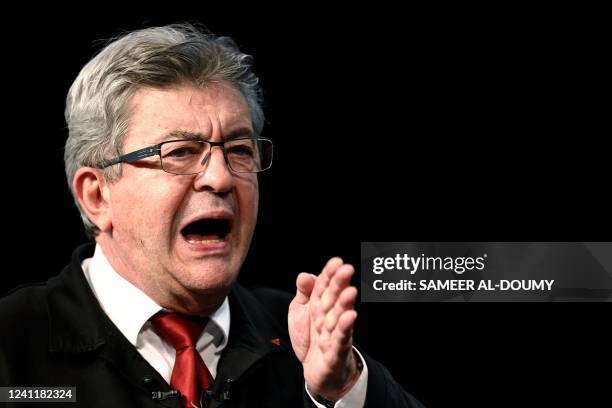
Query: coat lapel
{"type": "Point", "coordinates": [254, 334]}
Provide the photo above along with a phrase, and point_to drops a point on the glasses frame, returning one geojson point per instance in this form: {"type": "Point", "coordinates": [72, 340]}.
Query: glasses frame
{"type": "Point", "coordinates": [156, 150]}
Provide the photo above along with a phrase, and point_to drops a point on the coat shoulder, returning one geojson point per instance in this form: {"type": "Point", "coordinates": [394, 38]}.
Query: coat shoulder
{"type": "Point", "coordinates": [23, 306]}
{"type": "Point", "coordinates": [24, 320]}
{"type": "Point", "coordinates": [274, 300]}
{"type": "Point", "coordinates": [264, 305]}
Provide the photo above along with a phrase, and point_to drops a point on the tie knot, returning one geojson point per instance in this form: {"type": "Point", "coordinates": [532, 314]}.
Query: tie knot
{"type": "Point", "coordinates": [179, 330]}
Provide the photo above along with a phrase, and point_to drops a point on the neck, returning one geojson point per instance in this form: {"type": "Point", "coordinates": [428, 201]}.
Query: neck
{"type": "Point", "coordinates": [191, 303]}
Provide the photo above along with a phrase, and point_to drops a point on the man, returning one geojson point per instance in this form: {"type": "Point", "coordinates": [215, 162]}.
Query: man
{"type": "Point", "coordinates": [162, 158]}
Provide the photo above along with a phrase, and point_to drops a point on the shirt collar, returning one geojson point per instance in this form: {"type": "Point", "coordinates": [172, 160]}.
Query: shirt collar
{"type": "Point", "coordinates": [128, 307]}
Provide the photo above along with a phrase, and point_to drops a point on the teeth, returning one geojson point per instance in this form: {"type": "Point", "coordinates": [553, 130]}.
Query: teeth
{"type": "Point", "coordinates": [206, 241]}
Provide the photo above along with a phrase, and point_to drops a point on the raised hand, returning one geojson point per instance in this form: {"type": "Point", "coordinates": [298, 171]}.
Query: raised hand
{"type": "Point", "coordinates": [321, 319]}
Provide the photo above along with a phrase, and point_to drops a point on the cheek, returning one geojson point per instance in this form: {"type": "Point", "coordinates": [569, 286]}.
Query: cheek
{"type": "Point", "coordinates": [143, 210]}
{"type": "Point", "coordinates": [248, 201]}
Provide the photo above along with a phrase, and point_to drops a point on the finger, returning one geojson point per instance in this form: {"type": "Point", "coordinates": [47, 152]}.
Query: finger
{"type": "Point", "coordinates": [345, 302]}
{"type": "Point", "coordinates": [319, 323]}
{"type": "Point", "coordinates": [326, 274]}
{"type": "Point", "coordinates": [339, 282]}
{"type": "Point", "coordinates": [331, 266]}
{"type": "Point", "coordinates": [304, 283]}
{"type": "Point", "coordinates": [343, 334]}
{"type": "Point", "coordinates": [316, 315]}
{"type": "Point", "coordinates": [342, 338]}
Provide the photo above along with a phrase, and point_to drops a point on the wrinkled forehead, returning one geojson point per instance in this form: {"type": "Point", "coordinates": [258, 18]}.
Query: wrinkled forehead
{"type": "Point", "coordinates": [214, 111]}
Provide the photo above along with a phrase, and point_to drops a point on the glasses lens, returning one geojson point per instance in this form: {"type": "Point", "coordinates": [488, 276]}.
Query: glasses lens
{"type": "Point", "coordinates": [243, 155]}
{"type": "Point", "coordinates": [249, 155]}
{"type": "Point", "coordinates": [183, 157]}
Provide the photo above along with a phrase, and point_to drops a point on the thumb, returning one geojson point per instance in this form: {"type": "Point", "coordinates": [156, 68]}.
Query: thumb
{"type": "Point", "coordinates": [304, 283]}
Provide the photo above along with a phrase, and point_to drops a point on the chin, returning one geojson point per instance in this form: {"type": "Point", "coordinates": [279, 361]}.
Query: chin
{"type": "Point", "coordinates": [210, 281]}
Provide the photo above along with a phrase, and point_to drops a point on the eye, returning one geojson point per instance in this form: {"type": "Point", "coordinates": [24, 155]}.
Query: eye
{"type": "Point", "coordinates": [179, 150]}
{"type": "Point", "coordinates": [241, 150]}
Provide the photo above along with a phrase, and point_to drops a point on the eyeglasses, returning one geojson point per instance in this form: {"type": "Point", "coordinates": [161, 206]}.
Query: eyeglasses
{"type": "Point", "coordinates": [244, 155]}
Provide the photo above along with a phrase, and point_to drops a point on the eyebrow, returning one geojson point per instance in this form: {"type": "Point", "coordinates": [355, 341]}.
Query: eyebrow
{"type": "Point", "coordinates": [185, 134]}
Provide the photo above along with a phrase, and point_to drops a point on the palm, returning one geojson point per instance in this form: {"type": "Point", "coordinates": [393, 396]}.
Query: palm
{"type": "Point", "coordinates": [299, 329]}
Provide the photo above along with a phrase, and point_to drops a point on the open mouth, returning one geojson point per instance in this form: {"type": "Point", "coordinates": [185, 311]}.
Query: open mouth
{"type": "Point", "coordinates": [207, 231]}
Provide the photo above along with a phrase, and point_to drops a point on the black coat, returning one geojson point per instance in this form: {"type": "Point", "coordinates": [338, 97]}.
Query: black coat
{"type": "Point", "coordinates": [56, 334]}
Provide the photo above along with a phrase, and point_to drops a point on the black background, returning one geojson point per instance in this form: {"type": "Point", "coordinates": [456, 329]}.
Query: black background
{"type": "Point", "coordinates": [443, 124]}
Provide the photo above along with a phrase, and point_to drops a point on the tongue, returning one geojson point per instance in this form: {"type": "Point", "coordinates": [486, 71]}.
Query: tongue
{"type": "Point", "coordinates": [199, 237]}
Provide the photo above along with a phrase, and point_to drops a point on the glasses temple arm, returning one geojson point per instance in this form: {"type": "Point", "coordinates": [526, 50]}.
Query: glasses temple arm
{"type": "Point", "coordinates": [130, 157]}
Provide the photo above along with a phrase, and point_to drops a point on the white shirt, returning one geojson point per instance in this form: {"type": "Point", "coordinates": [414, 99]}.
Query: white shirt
{"type": "Point", "coordinates": [130, 309]}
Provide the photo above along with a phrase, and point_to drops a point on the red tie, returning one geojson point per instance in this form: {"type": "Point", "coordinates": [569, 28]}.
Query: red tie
{"type": "Point", "coordinates": [189, 375]}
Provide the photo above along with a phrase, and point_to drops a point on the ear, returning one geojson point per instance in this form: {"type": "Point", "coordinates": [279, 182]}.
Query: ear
{"type": "Point", "coordinates": [92, 192]}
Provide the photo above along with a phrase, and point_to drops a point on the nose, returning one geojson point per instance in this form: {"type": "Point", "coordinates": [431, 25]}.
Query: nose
{"type": "Point", "coordinates": [215, 175]}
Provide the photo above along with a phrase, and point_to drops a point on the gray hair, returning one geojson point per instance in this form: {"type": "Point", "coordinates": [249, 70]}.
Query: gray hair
{"type": "Point", "coordinates": [97, 105]}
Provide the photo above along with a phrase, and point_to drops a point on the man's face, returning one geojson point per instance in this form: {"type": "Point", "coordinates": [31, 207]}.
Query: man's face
{"type": "Point", "coordinates": [183, 232]}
